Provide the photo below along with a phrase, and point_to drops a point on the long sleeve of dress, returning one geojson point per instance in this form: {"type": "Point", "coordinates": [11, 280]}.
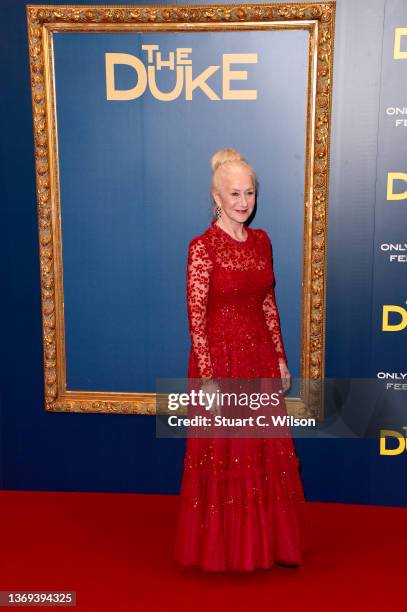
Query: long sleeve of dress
{"type": "Point", "coordinates": [270, 308]}
{"type": "Point", "coordinates": [198, 278]}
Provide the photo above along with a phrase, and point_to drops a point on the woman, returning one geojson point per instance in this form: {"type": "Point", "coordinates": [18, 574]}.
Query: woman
{"type": "Point", "coordinates": [242, 505]}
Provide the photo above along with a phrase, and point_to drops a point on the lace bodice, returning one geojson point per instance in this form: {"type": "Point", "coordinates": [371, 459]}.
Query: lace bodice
{"type": "Point", "coordinates": [233, 317]}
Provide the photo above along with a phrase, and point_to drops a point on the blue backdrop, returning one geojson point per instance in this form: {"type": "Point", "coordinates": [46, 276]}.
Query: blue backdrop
{"type": "Point", "coordinates": [134, 183]}
{"type": "Point", "coordinates": [121, 453]}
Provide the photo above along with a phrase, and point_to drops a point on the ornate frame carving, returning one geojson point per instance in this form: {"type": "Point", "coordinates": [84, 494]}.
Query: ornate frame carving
{"type": "Point", "coordinates": [42, 20]}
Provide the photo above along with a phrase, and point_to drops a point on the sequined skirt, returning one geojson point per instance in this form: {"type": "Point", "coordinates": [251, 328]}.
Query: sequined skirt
{"type": "Point", "coordinates": [241, 506]}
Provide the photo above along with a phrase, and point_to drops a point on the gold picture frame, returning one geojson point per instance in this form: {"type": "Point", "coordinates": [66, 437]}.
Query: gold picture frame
{"type": "Point", "coordinates": [318, 19]}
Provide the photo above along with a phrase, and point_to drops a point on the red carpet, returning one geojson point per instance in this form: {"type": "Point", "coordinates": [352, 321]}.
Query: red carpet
{"type": "Point", "coordinates": [115, 551]}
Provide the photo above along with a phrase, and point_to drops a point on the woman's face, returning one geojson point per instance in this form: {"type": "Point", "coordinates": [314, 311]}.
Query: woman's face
{"type": "Point", "coordinates": [235, 193]}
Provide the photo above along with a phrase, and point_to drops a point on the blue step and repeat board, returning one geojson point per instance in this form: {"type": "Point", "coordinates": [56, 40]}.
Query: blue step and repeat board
{"type": "Point", "coordinates": [389, 265]}
{"type": "Point", "coordinates": [132, 164]}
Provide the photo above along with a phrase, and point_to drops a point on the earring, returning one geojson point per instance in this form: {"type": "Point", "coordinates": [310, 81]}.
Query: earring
{"type": "Point", "coordinates": [218, 212]}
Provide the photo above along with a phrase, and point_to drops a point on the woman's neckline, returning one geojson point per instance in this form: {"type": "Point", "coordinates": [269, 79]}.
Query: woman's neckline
{"type": "Point", "coordinates": [234, 240]}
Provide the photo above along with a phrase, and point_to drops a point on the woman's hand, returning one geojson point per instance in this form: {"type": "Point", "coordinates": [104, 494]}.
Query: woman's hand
{"type": "Point", "coordinates": [212, 388]}
{"type": "Point", "coordinates": [285, 375]}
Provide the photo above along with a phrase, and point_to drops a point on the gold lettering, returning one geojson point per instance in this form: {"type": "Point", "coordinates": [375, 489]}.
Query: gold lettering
{"type": "Point", "coordinates": [170, 62]}
{"type": "Point", "coordinates": [391, 177]}
{"type": "Point", "coordinates": [130, 60]}
{"type": "Point", "coordinates": [150, 49]}
{"type": "Point", "coordinates": [199, 81]}
{"type": "Point", "coordinates": [387, 308]}
{"type": "Point", "coordinates": [389, 433]}
{"type": "Point", "coordinates": [398, 53]}
{"type": "Point", "coordinates": [234, 75]}
{"type": "Point", "coordinates": [181, 53]}
{"type": "Point", "coordinates": [168, 96]}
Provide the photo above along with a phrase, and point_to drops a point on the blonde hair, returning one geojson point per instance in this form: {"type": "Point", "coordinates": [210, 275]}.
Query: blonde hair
{"type": "Point", "coordinates": [228, 156]}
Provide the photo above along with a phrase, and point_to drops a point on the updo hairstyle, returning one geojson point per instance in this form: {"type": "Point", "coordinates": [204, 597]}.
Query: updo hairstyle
{"type": "Point", "coordinates": [224, 159]}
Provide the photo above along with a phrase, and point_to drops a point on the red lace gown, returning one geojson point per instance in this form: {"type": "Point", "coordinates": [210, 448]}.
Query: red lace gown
{"type": "Point", "coordinates": [241, 504]}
